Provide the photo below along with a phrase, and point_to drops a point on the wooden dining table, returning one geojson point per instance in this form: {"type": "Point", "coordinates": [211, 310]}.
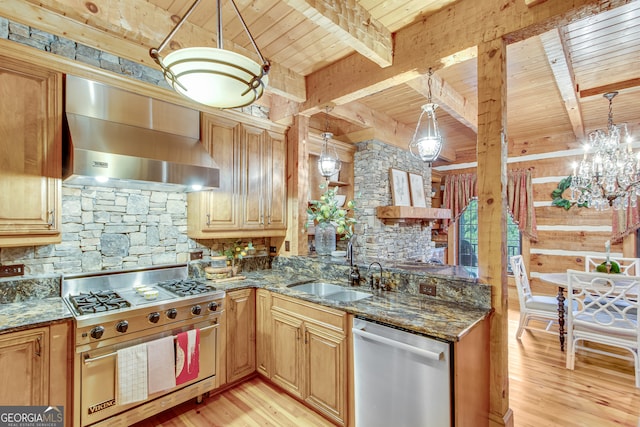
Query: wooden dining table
{"type": "Point", "coordinates": [561, 280]}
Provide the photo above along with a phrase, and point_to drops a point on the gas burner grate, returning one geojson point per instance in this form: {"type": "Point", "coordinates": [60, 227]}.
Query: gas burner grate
{"type": "Point", "coordinates": [98, 302]}
{"type": "Point", "coordinates": [184, 287]}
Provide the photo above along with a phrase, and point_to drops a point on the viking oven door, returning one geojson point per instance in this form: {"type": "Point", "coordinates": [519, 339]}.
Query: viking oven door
{"type": "Point", "coordinates": [98, 380]}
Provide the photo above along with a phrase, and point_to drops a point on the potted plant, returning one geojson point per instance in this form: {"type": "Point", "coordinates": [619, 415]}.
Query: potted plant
{"type": "Point", "coordinates": [330, 220]}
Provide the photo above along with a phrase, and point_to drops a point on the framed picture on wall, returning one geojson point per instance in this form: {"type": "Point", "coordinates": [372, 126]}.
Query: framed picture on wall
{"type": "Point", "coordinates": [416, 187]}
{"type": "Point", "coordinates": [399, 181]}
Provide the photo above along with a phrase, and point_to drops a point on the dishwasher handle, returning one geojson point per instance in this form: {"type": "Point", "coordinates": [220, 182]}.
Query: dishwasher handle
{"type": "Point", "coordinates": [397, 344]}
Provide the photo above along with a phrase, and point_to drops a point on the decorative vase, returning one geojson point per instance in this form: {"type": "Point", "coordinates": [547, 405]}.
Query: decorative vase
{"type": "Point", "coordinates": [325, 238]}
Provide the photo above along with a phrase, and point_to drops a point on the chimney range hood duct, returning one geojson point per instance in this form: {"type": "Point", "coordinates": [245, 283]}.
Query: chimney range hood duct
{"type": "Point", "coordinates": [121, 139]}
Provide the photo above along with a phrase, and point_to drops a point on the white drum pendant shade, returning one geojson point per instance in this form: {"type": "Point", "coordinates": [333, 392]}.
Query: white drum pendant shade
{"type": "Point", "coordinates": [215, 77]}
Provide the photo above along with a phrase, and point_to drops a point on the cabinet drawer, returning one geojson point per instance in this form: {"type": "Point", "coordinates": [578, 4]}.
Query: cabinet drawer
{"type": "Point", "coordinates": [310, 312]}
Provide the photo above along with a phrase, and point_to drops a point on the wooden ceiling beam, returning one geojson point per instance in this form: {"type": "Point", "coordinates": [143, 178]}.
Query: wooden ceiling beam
{"type": "Point", "coordinates": [98, 27]}
{"type": "Point", "coordinates": [557, 54]}
{"type": "Point", "coordinates": [424, 44]}
{"type": "Point", "coordinates": [601, 90]}
{"type": "Point", "coordinates": [456, 105]}
{"type": "Point", "coordinates": [381, 127]}
{"type": "Point", "coordinates": [352, 24]}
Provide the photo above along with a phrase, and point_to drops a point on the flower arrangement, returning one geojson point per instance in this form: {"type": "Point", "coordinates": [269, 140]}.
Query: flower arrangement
{"type": "Point", "coordinates": [327, 210]}
{"type": "Point", "coordinates": [237, 251]}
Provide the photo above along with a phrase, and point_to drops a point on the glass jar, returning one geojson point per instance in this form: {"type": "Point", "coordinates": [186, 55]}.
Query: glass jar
{"type": "Point", "coordinates": [325, 238]}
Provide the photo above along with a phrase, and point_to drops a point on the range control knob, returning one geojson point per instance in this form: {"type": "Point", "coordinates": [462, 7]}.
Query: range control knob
{"type": "Point", "coordinates": [196, 310]}
{"type": "Point", "coordinates": [97, 332]}
{"type": "Point", "coordinates": [172, 313]}
{"type": "Point", "coordinates": [122, 326]}
{"type": "Point", "coordinates": [213, 306]}
{"type": "Point", "coordinates": [154, 317]}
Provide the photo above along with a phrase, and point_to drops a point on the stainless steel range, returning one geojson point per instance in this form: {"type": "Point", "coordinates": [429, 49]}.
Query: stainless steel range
{"type": "Point", "coordinates": [117, 310]}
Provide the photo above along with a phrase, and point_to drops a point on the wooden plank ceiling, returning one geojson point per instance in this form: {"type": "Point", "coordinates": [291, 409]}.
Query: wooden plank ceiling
{"type": "Point", "coordinates": [555, 80]}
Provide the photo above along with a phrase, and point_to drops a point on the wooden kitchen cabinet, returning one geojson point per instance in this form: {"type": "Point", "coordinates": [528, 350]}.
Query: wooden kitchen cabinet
{"type": "Point", "coordinates": [264, 185]}
{"type": "Point", "coordinates": [263, 332]}
{"type": "Point", "coordinates": [251, 200]}
{"type": "Point", "coordinates": [24, 357]}
{"type": "Point", "coordinates": [241, 334]}
{"type": "Point", "coordinates": [218, 210]}
{"type": "Point", "coordinates": [288, 353]}
{"type": "Point", "coordinates": [30, 164]}
{"type": "Point", "coordinates": [36, 361]}
{"type": "Point", "coordinates": [309, 354]}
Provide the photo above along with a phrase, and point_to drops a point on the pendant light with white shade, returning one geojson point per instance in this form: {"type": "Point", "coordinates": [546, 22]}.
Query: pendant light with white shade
{"type": "Point", "coordinates": [214, 76]}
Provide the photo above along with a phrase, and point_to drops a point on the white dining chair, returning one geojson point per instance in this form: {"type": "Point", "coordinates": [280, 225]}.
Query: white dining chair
{"type": "Point", "coordinates": [628, 266]}
{"type": "Point", "coordinates": [605, 311]}
{"type": "Point", "coordinates": [532, 307]}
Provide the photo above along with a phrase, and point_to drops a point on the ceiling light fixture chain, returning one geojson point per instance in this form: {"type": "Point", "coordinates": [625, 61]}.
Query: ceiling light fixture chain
{"type": "Point", "coordinates": [214, 76]}
{"type": "Point", "coordinates": [609, 173]}
{"type": "Point", "coordinates": [427, 141]}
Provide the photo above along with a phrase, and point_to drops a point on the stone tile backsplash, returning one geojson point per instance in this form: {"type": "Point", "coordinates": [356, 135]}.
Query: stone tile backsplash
{"type": "Point", "coordinates": [106, 228]}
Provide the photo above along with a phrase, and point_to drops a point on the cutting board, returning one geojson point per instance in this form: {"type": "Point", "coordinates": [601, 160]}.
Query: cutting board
{"type": "Point", "coordinates": [228, 279]}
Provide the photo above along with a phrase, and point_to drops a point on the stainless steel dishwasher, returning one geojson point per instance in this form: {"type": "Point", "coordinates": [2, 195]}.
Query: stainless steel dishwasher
{"type": "Point", "coordinates": [401, 379]}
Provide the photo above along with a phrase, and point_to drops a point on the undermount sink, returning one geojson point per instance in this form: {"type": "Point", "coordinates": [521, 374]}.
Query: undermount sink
{"type": "Point", "coordinates": [318, 288]}
{"type": "Point", "coordinates": [348, 295]}
{"type": "Point", "coordinates": [331, 291]}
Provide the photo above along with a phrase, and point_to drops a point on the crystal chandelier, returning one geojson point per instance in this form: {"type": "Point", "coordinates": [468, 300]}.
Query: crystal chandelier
{"type": "Point", "coordinates": [609, 173]}
{"type": "Point", "coordinates": [213, 76]}
{"type": "Point", "coordinates": [328, 163]}
{"type": "Point", "coordinates": [427, 141]}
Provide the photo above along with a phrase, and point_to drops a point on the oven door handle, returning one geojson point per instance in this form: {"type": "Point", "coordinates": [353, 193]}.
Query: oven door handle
{"type": "Point", "coordinates": [114, 353]}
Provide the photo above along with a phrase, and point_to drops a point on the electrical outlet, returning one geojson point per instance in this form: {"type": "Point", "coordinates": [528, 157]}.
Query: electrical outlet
{"type": "Point", "coordinates": [12, 270]}
{"type": "Point", "coordinates": [428, 289]}
{"type": "Point", "coordinates": [287, 246]}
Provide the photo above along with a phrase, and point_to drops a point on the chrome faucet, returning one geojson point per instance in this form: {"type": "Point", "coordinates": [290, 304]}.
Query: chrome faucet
{"type": "Point", "coordinates": [379, 284]}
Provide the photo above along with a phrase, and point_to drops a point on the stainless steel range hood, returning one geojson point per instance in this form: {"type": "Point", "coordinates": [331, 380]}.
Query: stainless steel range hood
{"type": "Point", "coordinates": [122, 139]}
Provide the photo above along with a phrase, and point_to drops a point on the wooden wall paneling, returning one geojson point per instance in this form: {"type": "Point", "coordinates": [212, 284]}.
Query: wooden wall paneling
{"type": "Point", "coordinates": [554, 215]}
{"type": "Point", "coordinates": [572, 240]}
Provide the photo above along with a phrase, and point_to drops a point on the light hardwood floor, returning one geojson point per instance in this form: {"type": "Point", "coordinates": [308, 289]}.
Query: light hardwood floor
{"type": "Point", "coordinates": [252, 403]}
{"type": "Point", "coordinates": [600, 392]}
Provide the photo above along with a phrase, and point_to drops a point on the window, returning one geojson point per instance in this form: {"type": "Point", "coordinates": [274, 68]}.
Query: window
{"type": "Point", "coordinates": [468, 237]}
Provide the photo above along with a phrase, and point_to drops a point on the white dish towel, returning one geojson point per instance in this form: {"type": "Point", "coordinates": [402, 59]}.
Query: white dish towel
{"type": "Point", "coordinates": [132, 374]}
{"type": "Point", "coordinates": [161, 358]}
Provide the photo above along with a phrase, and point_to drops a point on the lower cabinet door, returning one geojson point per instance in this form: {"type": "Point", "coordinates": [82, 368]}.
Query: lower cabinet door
{"type": "Point", "coordinates": [326, 355]}
{"type": "Point", "coordinates": [241, 337]}
{"type": "Point", "coordinates": [24, 374]}
{"type": "Point", "coordinates": [288, 353]}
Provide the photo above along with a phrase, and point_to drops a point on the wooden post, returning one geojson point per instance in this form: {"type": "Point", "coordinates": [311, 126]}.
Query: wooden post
{"type": "Point", "coordinates": [492, 211]}
{"type": "Point", "coordinates": [297, 186]}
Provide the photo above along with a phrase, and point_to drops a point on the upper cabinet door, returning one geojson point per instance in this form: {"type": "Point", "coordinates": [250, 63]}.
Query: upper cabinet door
{"type": "Point", "coordinates": [254, 173]}
{"type": "Point", "coordinates": [30, 154]}
{"type": "Point", "coordinates": [276, 187]}
{"type": "Point", "coordinates": [218, 209]}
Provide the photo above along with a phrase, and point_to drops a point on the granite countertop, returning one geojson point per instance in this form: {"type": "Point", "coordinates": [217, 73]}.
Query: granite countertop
{"type": "Point", "coordinates": [447, 320]}
{"type": "Point", "coordinates": [32, 313]}
{"type": "Point", "coordinates": [440, 319]}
